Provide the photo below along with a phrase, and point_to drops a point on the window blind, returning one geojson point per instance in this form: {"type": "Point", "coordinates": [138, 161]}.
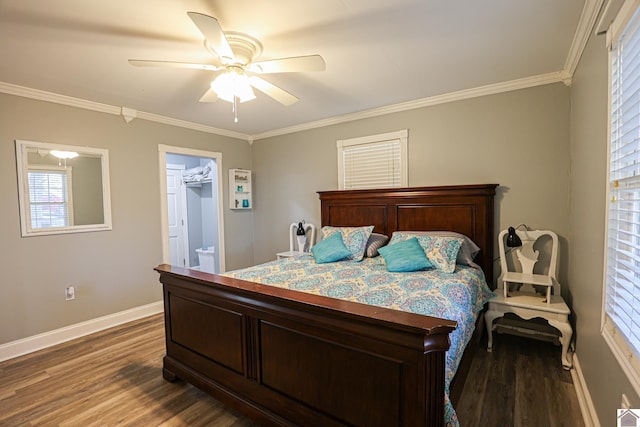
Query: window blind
{"type": "Point", "coordinates": [48, 198]}
{"type": "Point", "coordinates": [372, 165]}
{"type": "Point", "coordinates": [622, 290]}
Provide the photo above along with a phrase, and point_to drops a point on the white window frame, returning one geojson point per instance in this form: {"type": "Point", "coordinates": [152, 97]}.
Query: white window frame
{"type": "Point", "coordinates": [58, 170]}
{"type": "Point", "coordinates": [401, 136]}
{"type": "Point", "coordinates": [627, 357]}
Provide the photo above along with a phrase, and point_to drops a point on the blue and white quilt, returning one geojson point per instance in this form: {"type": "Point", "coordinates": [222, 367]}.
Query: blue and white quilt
{"type": "Point", "coordinates": [457, 296]}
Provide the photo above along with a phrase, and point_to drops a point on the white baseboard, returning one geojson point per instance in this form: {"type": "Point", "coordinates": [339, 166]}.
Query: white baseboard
{"type": "Point", "coordinates": [47, 339]}
{"type": "Point", "coordinates": [584, 397]}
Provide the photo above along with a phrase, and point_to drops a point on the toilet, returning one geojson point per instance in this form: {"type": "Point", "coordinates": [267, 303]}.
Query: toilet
{"type": "Point", "coordinates": [205, 256]}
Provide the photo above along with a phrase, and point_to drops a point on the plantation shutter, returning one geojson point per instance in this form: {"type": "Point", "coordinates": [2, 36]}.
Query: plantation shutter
{"type": "Point", "coordinates": [377, 161]}
{"type": "Point", "coordinates": [622, 299]}
{"type": "Point", "coordinates": [48, 198]}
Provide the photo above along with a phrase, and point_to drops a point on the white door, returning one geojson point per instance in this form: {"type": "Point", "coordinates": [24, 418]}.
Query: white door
{"type": "Point", "coordinates": [176, 213]}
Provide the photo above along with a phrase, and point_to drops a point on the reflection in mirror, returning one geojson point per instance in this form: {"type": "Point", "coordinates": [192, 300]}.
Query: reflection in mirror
{"type": "Point", "coordinates": [62, 188]}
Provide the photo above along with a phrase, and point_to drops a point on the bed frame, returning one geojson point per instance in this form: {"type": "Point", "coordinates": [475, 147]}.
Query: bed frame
{"type": "Point", "coordinates": [289, 358]}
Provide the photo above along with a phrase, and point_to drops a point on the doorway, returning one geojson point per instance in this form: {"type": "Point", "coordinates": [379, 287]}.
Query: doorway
{"type": "Point", "coordinates": [192, 210]}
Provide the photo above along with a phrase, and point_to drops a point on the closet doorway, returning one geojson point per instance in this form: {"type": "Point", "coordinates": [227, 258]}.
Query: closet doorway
{"type": "Point", "coordinates": [191, 208]}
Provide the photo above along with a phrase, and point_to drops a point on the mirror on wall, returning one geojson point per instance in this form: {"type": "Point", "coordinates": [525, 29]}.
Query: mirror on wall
{"type": "Point", "coordinates": [62, 188]}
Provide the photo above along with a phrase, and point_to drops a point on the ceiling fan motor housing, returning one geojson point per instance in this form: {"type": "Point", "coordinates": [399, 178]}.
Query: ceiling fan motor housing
{"type": "Point", "coordinates": [244, 47]}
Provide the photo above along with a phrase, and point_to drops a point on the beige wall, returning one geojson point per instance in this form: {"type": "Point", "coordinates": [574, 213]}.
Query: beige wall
{"type": "Point", "coordinates": [112, 270]}
{"type": "Point", "coordinates": [518, 139]}
{"type": "Point", "coordinates": [528, 141]}
{"type": "Point", "coordinates": [605, 380]}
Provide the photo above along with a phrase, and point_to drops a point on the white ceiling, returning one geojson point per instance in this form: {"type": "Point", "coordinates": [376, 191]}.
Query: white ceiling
{"type": "Point", "coordinates": [378, 53]}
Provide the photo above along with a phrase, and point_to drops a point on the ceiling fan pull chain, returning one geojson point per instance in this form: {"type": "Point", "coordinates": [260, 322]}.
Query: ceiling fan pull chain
{"type": "Point", "coordinates": [235, 109]}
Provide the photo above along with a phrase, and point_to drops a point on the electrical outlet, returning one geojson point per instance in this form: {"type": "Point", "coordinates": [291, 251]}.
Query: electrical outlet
{"type": "Point", "coordinates": [70, 293]}
{"type": "Point", "coordinates": [625, 404]}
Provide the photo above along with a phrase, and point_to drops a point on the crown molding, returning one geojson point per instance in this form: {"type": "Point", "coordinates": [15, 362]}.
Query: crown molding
{"type": "Point", "coordinates": [56, 98]}
{"type": "Point", "coordinates": [580, 38]}
{"type": "Point", "coordinates": [42, 95]}
{"type": "Point", "coordinates": [585, 25]}
{"type": "Point", "coordinates": [492, 89]}
{"type": "Point", "coordinates": [539, 80]}
{"type": "Point", "coordinates": [191, 125]}
{"type": "Point", "coordinates": [609, 12]}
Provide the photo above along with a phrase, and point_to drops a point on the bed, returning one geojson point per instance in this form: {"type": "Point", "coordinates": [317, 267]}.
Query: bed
{"type": "Point", "coordinates": [285, 357]}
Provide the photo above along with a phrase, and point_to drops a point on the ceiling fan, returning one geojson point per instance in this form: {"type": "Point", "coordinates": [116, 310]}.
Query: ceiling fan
{"type": "Point", "coordinates": [235, 53]}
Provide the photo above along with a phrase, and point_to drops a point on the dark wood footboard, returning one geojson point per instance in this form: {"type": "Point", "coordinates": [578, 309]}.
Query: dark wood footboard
{"type": "Point", "coordinates": [288, 358]}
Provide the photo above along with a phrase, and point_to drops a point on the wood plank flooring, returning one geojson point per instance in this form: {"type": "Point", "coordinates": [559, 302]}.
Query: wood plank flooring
{"type": "Point", "coordinates": [520, 383]}
{"type": "Point", "coordinates": [114, 378]}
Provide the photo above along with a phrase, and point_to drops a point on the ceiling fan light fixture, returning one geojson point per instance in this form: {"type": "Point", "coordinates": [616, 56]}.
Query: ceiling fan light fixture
{"type": "Point", "coordinates": [235, 54]}
{"type": "Point", "coordinates": [233, 84]}
{"type": "Point", "coordinates": [64, 154]}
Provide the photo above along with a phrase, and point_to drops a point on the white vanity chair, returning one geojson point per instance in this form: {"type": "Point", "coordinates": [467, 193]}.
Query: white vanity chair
{"type": "Point", "coordinates": [310, 239]}
{"type": "Point", "coordinates": [525, 301]}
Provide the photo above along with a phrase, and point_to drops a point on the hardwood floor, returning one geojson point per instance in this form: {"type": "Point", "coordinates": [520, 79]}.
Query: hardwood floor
{"type": "Point", "coordinates": [520, 383]}
{"type": "Point", "coordinates": [114, 378]}
{"type": "Point", "coordinates": [109, 378]}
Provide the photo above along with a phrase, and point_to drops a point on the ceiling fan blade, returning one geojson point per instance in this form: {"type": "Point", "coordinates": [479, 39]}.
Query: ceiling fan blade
{"type": "Point", "coordinates": [209, 96]}
{"type": "Point", "coordinates": [212, 31]}
{"type": "Point", "coordinates": [172, 64]}
{"type": "Point", "coordinates": [280, 95]}
{"type": "Point", "coordinates": [289, 65]}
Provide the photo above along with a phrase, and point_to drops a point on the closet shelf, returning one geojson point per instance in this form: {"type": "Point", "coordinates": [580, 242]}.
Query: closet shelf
{"type": "Point", "coordinates": [198, 183]}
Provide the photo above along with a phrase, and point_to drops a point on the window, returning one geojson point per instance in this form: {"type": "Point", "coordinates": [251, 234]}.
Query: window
{"type": "Point", "coordinates": [376, 161]}
{"type": "Point", "coordinates": [621, 319]}
{"type": "Point", "coordinates": [50, 197]}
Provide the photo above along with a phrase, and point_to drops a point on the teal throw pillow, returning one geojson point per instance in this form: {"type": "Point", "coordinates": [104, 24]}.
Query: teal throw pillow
{"type": "Point", "coordinates": [354, 238]}
{"type": "Point", "coordinates": [330, 249]}
{"type": "Point", "coordinates": [442, 251]}
{"type": "Point", "coordinates": [406, 255]}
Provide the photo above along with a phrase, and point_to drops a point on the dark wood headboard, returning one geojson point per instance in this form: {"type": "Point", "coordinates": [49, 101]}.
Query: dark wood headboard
{"type": "Point", "coordinates": [466, 209]}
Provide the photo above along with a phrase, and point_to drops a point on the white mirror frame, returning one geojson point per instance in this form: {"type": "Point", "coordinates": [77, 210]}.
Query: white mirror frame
{"type": "Point", "coordinates": [23, 188]}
